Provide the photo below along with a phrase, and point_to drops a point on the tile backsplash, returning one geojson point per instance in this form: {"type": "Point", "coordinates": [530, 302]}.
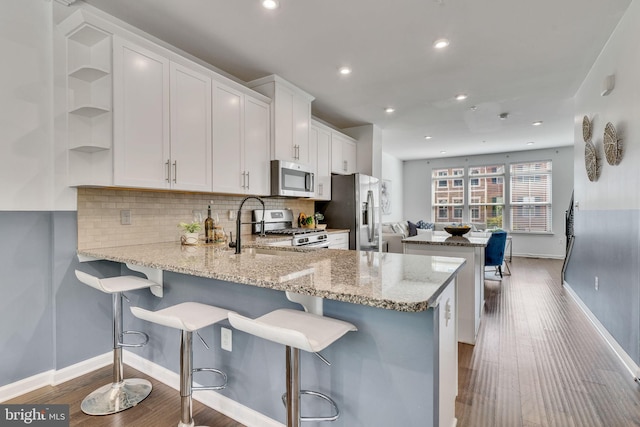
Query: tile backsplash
{"type": "Point", "coordinates": [155, 214]}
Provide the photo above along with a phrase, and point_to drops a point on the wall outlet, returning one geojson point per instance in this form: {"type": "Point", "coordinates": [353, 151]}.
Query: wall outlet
{"type": "Point", "coordinates": [226, 339]}
{"type": "Point", "coordinates": [125, 217]}
{"type": "Point", "coordinates": [232, 214]}
{"type": "Point", "coordinates": [597, 285]}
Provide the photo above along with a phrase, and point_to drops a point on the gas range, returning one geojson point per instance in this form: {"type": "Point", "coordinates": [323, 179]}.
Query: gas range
{"type": "Point", "coordinates": [280, 222]}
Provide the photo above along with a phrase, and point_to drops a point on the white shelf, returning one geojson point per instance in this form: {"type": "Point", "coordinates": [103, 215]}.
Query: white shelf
{"type": "Point", "coordinates": [89, 111]}
{"type": "Point", "coordinates": [88, 73]}
{"type": "Point", "coordinates": [88, 35]}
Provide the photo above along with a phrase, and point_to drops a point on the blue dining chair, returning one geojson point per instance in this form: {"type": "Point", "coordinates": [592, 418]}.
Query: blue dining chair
{"type": "Point", "coordinates": [494, 252]}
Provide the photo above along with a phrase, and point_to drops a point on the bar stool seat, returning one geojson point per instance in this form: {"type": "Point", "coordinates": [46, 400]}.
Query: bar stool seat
{"type": "Point", "coordinates": [122, 393]}
{"type": "Point", "coordinates": [297, 330]}
{"type": "Point", "coordinates": [188, 317]}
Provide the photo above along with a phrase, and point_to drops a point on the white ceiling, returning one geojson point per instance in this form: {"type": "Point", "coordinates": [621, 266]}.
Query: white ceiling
{"type": "Point", "coordinates": [526, 58]}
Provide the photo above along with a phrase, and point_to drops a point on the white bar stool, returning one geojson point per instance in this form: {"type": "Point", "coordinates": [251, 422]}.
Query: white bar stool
{"type": "Point", "coordinates": [122, 393]}
{"type": "Point", "coordinates": [297, 330]}
{"type": "Point", "coordinates": [188, 317]}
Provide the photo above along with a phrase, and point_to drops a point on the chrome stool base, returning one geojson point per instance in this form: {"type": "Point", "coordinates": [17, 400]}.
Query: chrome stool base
{"type": "Point", "coordinates": [116, 397]}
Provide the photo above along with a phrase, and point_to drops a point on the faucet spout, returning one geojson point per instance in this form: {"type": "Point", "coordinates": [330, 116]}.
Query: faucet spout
{"type": "Point", "coordinates": [238, 242]}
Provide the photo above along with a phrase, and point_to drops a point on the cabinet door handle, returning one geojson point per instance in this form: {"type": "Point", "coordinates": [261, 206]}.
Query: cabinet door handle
{"type": "Point", "coordinates": [175, 171]}
{"type": "Point", "coordinates": [248, 180]}
{"type": "Point", "coordinates": [168, 165]}
{"type": "Point", "coordinates": [320, 189]}
{"type": "Point", "coordinates": [244, 180]}
{"type": "Point", "coordinates": [344, 165]}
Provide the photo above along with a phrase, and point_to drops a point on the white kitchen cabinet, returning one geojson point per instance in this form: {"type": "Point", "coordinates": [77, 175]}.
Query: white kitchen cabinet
{"type": "Point", "coordinates": [339, 240]}
{"type": "Point", "coordinates": [141, 119]}
{"type": "Point", "coordinates": [162, 122]}
{"type": "Point", "coordinates": [343, 154]}
{"type": "Point", "coordinates": [190, 144]}
{"type": "Point", "coordinates": [290, 119]}
{"type": "Point", "coordinates": [257, 146]}
{"type": "Point", "coordinates": [320, 146]}
{"type": "Point", "coordinates": [241, 155]}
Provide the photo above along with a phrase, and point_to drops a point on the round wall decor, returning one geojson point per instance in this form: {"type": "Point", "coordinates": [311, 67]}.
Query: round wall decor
{"type": "Point", "coordinates": [586, 129]}
{"type": "Point", "coordinates": [591, 161]}
{"type": "Point", "coordinates": [612, 145]}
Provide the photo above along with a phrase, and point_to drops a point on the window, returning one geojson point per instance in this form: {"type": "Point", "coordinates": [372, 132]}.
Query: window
{"type": "Point", "coordinates": [486, 195]}
{"type": "Point", "coordinates": [531, 196]}
{"type": "Point", "coordinates": [448, 194]}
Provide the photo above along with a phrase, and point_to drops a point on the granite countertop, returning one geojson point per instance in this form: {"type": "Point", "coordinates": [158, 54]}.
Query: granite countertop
{"type": "Point", "coordinates": [447, 240]}
{"type": "Point", "coordinates": [398, 282]}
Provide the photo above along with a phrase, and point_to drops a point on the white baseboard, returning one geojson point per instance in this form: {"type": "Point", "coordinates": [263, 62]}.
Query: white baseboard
{"type": "Point", "coordinates": [633, 368]}
{"type": "Point", "coordinates": [210, 398]}
{"type": "Point", "coordinates": [216, 401]}
{"type": "Point", "coordinates": [53, 377]}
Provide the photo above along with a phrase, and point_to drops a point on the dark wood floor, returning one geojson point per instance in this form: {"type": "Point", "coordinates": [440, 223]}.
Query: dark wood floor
{"type": "Point", "coordinates": [160, 409]}
{"type": "Point", "coordinates": [538, 362]}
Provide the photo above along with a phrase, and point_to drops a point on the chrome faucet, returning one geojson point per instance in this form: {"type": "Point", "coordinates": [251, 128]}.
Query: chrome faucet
{"type": "Point", "coordinates": [238, 243]}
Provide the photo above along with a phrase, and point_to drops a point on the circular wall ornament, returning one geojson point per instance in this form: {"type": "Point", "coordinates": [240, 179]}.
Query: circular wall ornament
{"type": "Point", "coordinates": [612, 145]}
{"type": "Point", "coordinates": [586, 129]}
{"type": "Point", "coordinates": [591, 161]}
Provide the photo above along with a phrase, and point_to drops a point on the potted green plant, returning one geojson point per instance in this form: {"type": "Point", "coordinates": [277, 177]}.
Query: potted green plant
{"type": "Point", "coordinates": [319, 217]}
{"type": "Point", "coordinates": [190, 232]}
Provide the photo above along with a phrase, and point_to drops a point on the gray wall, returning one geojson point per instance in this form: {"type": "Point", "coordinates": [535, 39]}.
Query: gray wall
{"type": "Point", "coordinates": [607, 217]}
{"type": "Point", "coordinates": [50, 320]}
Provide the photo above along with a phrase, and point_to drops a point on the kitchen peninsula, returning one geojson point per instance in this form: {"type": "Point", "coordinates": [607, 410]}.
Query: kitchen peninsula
{"type": "Point", "coordinates": [400, 368]}
{"type": "Point", "coordinates": [470, 279]}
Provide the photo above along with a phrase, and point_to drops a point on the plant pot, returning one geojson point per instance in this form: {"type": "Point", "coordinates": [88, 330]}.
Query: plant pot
{"type": "Point", "coordinates": [189, 238]}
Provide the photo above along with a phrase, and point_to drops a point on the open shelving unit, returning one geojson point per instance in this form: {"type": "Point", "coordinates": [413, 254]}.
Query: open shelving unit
{"type": "Point", "coordinates": [89, 83]}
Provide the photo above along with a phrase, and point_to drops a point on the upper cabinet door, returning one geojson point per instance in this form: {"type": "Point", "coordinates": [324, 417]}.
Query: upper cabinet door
{"type": "Point", "coordinates": [141, 117]}
{"type": "Point", "coordinates": [190, 129]}
{"type": "Point", "coordinates": [301, 124]}
{"type": "Point", "coordinates": [320, 144]}
{"type": "Point", "coordinates": [343, 154]}
{"type": "Point", "coordinates": [257, 147]}
{"type": "Point", "coordinates": [229, 175]}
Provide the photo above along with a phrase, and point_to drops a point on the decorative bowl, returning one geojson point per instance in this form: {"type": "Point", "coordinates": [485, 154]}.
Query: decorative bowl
{"type": "Point", "coordinates": [457, 230]}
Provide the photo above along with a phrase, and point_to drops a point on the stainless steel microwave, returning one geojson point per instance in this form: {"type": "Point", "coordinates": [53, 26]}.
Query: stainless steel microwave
{"type": "Point", "coordinates": [291, 179]}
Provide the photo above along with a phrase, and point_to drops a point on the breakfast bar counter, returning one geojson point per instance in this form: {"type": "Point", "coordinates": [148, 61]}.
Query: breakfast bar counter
{"type": "Point", "coordinates": [389, 281]}
{"type": "Point", "coordinates": [399, 368]}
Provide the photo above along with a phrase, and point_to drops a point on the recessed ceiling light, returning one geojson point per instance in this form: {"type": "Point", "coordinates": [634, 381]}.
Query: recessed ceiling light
{"type": "Point", "coordinates": [530, 143]}
{"type": "Point", "coordinates": [345, 71]}
{"type": "Point", "coordinates": [428, 137]}
{"type": "Point", "coordinates": [461, 97]}
{"type": "Point", "coordinates": [443, 152]}
{"type": "Point", "coordinates": [389, 110]}
{"type": "Point", "coordinates": [441, 43]}
{"type": "Point", "coordinates": [538, 123]}
{"type": "Point", "coordinates": [270, 4]}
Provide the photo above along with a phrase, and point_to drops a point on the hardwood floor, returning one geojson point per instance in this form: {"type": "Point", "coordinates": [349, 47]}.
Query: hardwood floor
{"type": "Point", "coordinates": [160, 409]}
{"type": "Point", "coordinates": [539, 362]}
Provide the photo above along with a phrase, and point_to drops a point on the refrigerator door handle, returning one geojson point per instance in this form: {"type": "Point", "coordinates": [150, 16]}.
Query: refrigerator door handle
{"type": "Point", "coordinates": [370, 216]}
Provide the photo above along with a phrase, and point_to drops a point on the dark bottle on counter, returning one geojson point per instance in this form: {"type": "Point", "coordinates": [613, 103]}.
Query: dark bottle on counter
{"type": "Point", "coordinates": [208, 227]}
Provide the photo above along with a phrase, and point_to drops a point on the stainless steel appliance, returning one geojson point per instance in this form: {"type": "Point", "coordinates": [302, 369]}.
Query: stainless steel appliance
{"type": "Point", "coordinates": [291, 179]}
{"type": "Point", "coordinates": [280, 222]}
{"type": "Point", "coordinates": [355, 205]}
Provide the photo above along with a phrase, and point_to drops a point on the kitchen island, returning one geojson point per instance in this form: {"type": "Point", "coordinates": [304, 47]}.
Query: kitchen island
{"type": "Point", "coordinates": [399, 368]}
{"type": "Point", "coordinates": [470, 279]}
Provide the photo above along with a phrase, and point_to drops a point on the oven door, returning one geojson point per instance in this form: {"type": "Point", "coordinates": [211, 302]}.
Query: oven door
{"type": "Point", "coordinates": [316, 245]}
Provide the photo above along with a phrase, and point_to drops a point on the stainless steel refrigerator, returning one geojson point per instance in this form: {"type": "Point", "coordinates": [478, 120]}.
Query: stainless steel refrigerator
{"type": "Point", "coordinates": [355, 205]}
